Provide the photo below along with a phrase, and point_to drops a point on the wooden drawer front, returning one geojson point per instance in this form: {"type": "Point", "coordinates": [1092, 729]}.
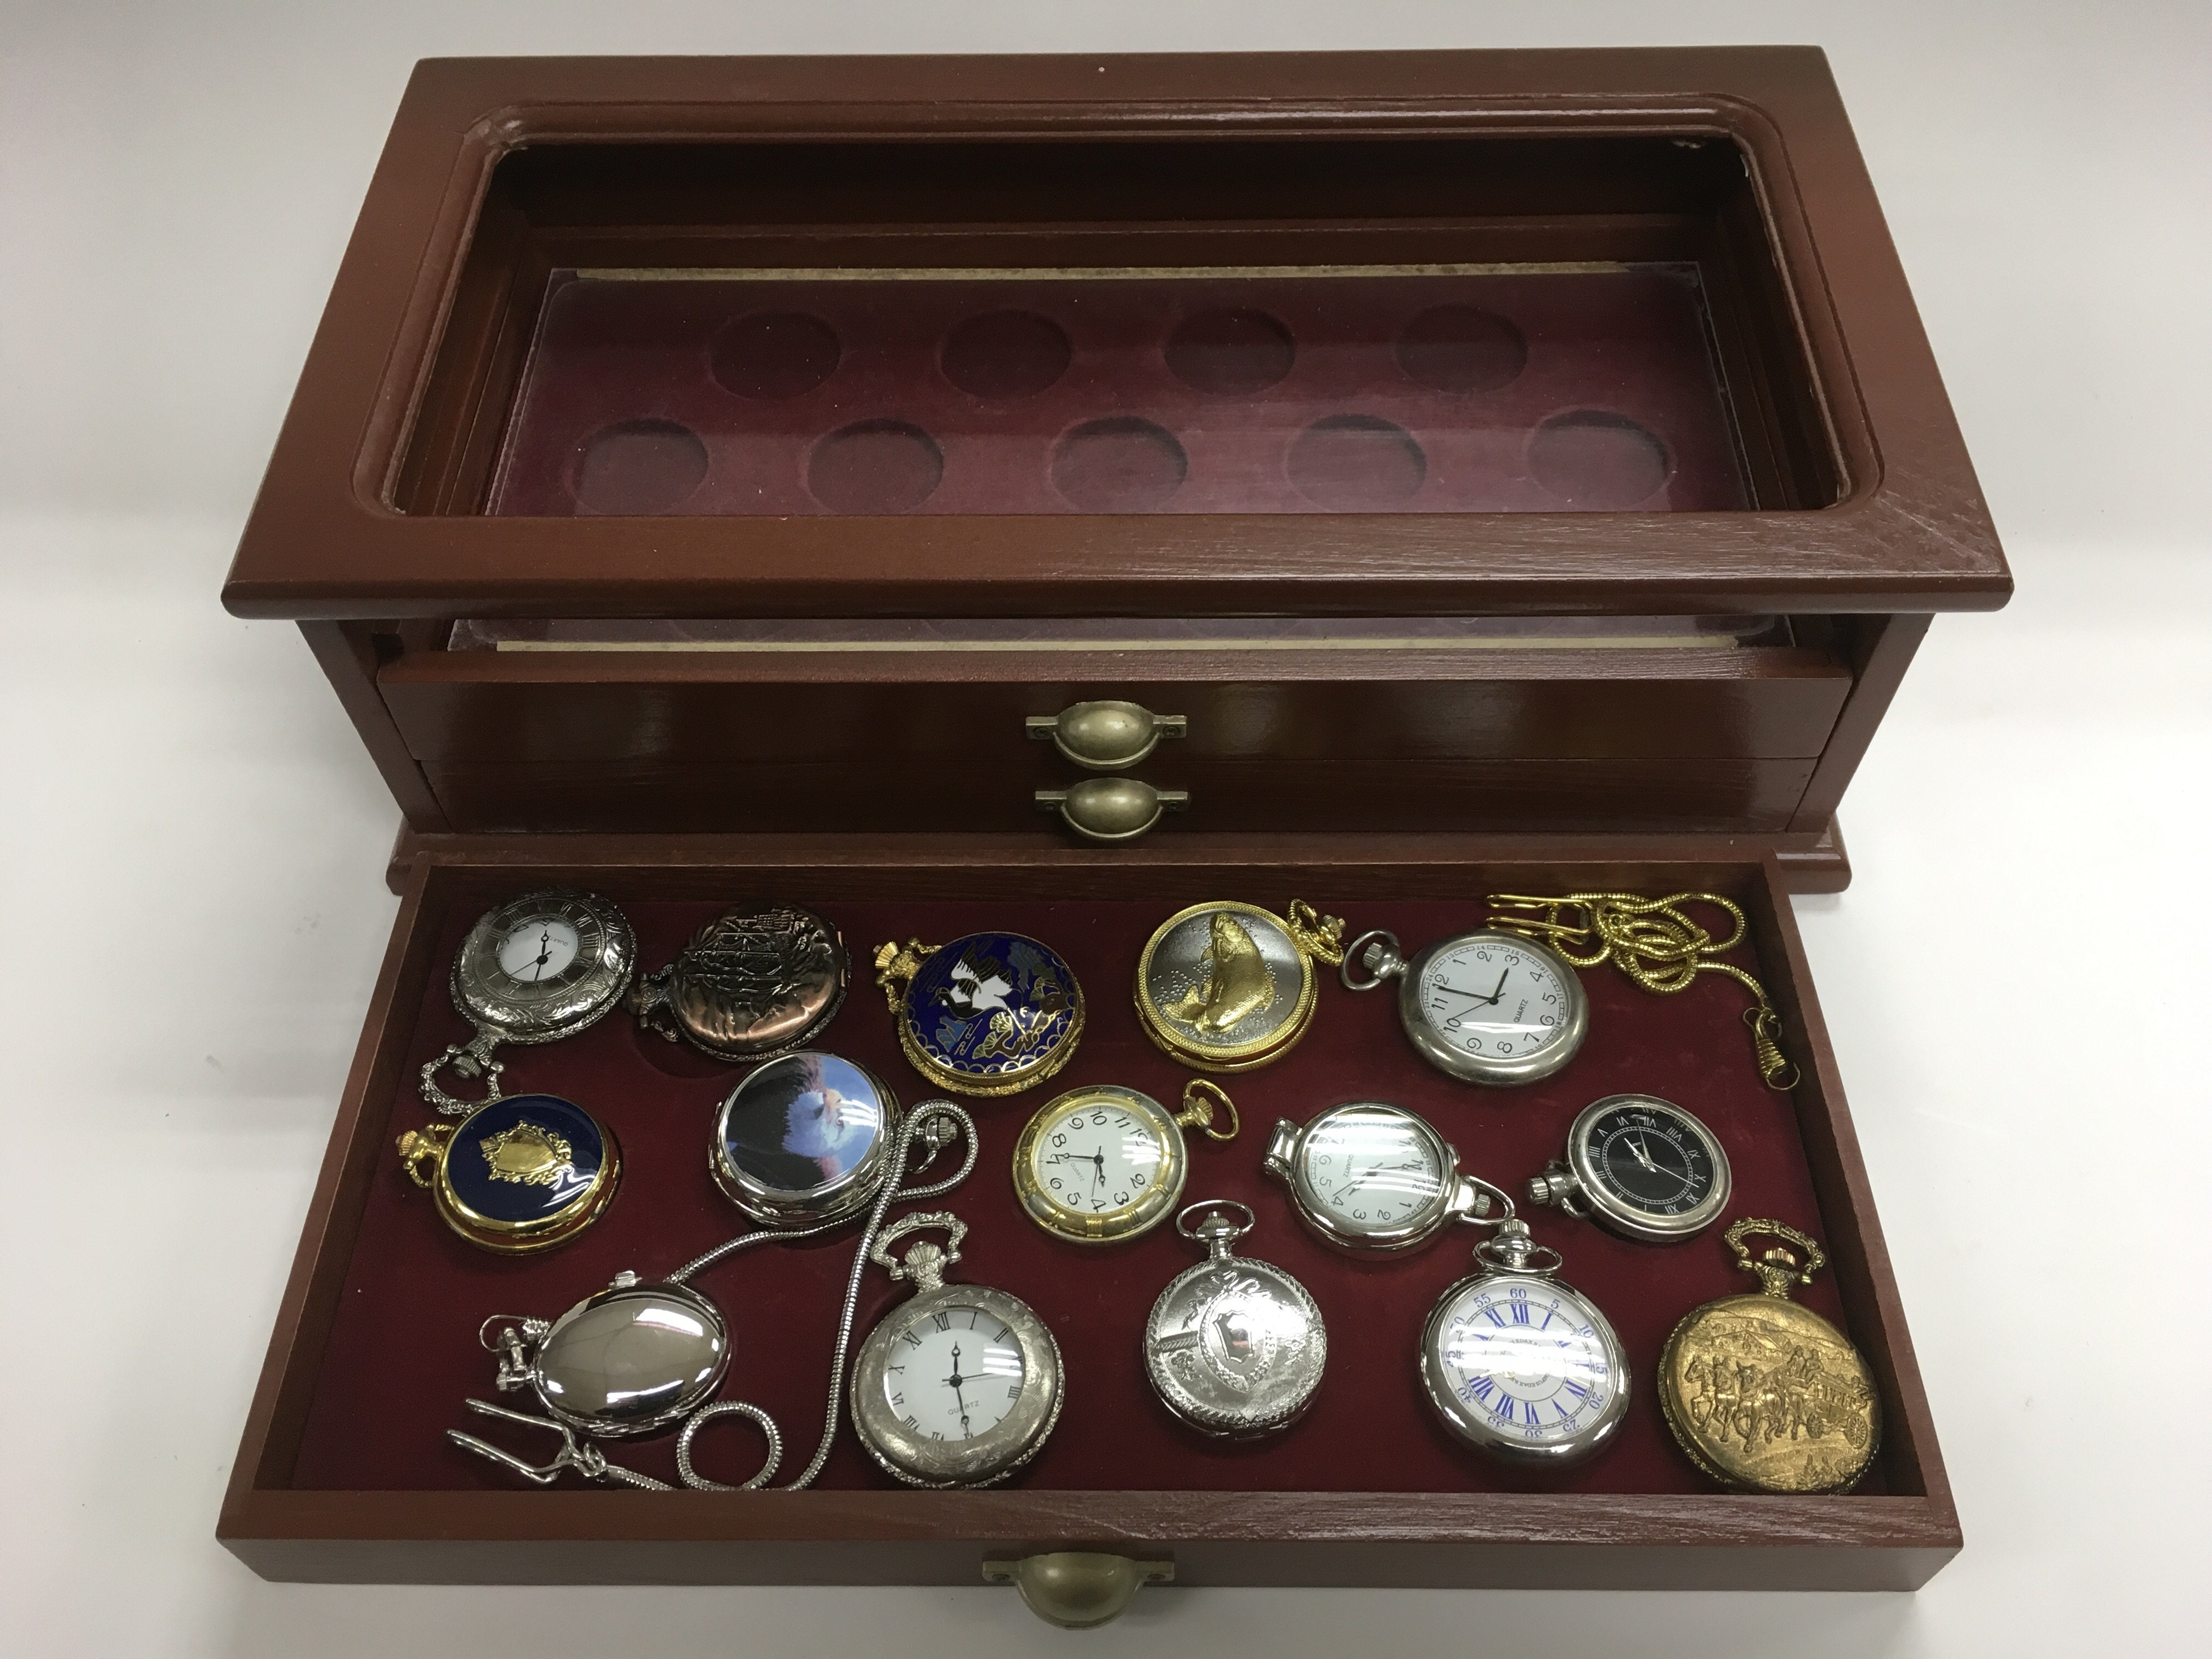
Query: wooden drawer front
{"type": "Point", "coordinates": [382, 1302]}
{"type": "Point", "coordinates": [1557, 740]}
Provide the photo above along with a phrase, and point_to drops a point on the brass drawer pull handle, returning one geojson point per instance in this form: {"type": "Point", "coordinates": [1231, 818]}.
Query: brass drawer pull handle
{"type": "Point", "coordinates": [1077, 1588]}
{"type": "Point", "coordinates": [1111, 809]}
{"type": "Point", "coordinates": [1104, 737]}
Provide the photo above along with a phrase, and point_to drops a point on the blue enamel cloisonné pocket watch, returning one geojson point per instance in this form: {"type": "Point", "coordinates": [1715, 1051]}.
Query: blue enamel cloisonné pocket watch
{"type": "Point", "coordinates": [988, 1014]}
{"type": "Point", "coordinates": [522, 1173]}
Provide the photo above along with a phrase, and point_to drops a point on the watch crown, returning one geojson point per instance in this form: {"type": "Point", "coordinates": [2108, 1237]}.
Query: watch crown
{"type": "Point", "coordinates": [1555, 1185]}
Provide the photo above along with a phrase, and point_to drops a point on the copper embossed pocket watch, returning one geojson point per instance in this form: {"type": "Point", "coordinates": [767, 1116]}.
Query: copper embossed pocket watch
{"type": "Point", "coordinates": [959, 1386]}
{"type": "Point", "coordinates": [519, 1174]}
{"type": "Point", "coordinates": [988, 1014]}
{"type": "Point", "coordinates": [1486, 1007]}
{"type": "Point", "coordinates": [1764, 1394]}
{"type": "Point", "coordinates": [1234, 1348]}
{"type": "Point", "coordinates": [750, 984]}
{"type": "Point", "coordinates": [1230, 987]}
{"type": "Point", "coordinates": [536, 969]}
{"type": "Point", "coordinates": [1104, 1163]}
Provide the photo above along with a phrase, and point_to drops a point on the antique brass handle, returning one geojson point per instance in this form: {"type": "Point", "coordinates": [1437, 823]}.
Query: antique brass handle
{"type": "Point", "coordinates": [1077, 1588]}
{"type": "Point", "coordinates": [1111, 809]}
{"type": "Point", "coordinates": [1104, 737]}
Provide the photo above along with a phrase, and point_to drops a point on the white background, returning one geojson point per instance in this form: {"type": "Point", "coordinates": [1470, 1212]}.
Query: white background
{"type": "Point", "coordinates": [193, 841]}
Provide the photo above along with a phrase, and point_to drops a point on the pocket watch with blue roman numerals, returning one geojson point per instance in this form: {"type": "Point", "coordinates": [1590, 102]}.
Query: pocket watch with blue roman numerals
{"type": "Point", "coordinates": [1520, 1366]}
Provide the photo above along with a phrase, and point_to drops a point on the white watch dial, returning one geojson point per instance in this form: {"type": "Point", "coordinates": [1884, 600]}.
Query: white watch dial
{"type": "Point", "coordinates": [1493, 1001]}
{"type": "Point", "coordinates": [1098, 1159]}
{"type": "Point", "coordinates": [538, 950]}
{"type": "Point", "coordinates": [1369, 1168]}
{"type": "Point", "coordinates": [1522, 1355]}
{"type": "Point", "coordinates": [954, 1373]}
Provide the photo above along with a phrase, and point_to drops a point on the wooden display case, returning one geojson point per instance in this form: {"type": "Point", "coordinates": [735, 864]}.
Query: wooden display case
{"type": "Point", "coordinates": [1497, 469]}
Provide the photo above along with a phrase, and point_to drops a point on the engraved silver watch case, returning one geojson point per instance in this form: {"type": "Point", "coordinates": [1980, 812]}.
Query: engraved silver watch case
{"type": "Point", "coordinates": [959, 1385]}
{"type": "Point", "coordinates": [1234, 1348]}
{"type": "Point", "coordinates": [750, 984]}
{"type": "Point", "coordinates": [1375, 1179]}
{"type": "Point", "coordinates": [1514, 1033]}
{"type": "Point", "coordinates": [535, 969]}
{"type": "Point", "coordinates": [1520, 1366]}
{"type": "Point", "coordinates": [1641, 1167]}
{"type": "Point", "coordinates": [633, 1359]}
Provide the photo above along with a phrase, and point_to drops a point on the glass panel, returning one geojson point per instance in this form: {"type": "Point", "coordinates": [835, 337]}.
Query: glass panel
{"type": "Point", "coordinates": [1410, 389]}
{"type": "Point", "coordinates": [1120, 633]}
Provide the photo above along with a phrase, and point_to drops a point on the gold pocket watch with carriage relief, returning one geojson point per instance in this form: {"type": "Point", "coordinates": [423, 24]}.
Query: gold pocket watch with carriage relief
{"type": "Point", "coordinates": [1230, 987]}
{"type": "Point", "coordinates": [1104, 1163]}
{"type": "Point", "coordinates": [1488, 1007]}
{"type": "Point", "coordinates": [535, 969]}
{"type": "Point", "coordinates": [1763, 1394]}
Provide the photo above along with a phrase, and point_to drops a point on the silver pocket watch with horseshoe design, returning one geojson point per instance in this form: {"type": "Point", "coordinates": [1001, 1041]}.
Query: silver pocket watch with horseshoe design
{"type": "Point", "coordinates": [1234, 1348]}
{"type": "Point", "coordinates": [535, 969]}
{"type": "Point", "coordinates": [1488, 1007]}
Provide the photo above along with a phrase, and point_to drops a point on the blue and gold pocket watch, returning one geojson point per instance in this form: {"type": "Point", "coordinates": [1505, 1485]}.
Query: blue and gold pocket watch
{"type": "Point", "coordinates": [988, 1014]}
{"type": "Point", "coordinates": [522, 1173]}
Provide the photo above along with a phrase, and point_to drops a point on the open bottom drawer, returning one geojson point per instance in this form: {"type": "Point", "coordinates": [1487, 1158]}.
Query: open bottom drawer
{"type": "Point", "coordinates": [344, 1474]}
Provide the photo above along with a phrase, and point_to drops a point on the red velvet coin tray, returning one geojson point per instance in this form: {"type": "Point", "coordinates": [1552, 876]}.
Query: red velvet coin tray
{"type": "Point", "coordinates": [1561, 389]}
{"type": "Point", "coordinates": [380, 1347]}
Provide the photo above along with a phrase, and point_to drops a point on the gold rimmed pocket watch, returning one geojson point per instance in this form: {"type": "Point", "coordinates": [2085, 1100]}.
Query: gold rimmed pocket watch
{"type": "Point", "coordinates": [1104, 1163]}
{"type": "Point", "coordinates": [988, 1014]}
{"type": "Point", "coordinates": [1230, 987]}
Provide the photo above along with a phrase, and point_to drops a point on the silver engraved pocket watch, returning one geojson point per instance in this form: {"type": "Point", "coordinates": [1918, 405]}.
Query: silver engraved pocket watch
{"type": "Point", "coordinates": [1641, 1167]}
{"type": "Point", "coordinates": [1234, 1348]}
{"type": "Point", "coordinates": [1486, 1007]}
{"type": "Point", "coordinates": [538, 968]}
{"type": "Point", "coordinates": [1375, 1179]}
{"type": "Point", "coordinates": [1520, 1366]}
{"type": "Point", "coordinates": [959, 1386]}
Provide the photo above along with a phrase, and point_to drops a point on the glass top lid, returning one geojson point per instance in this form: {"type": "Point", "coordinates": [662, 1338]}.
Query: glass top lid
{"type": "Point", "coordinates": [1585, 387]}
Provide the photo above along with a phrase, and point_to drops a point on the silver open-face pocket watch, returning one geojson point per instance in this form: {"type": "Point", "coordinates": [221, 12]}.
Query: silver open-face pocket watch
{"type": "Point", "coordinates": [959, 1386]}
{"type": "Point", "coordinates": [1375, 1179]}
{"type": "Point", "coordinates": [1486, 1007]}
{"type": "Point", "coordinates": [750, 984]}
{"type": "Point", "coordinates": [1520, 1366]}
{"type": "Point", "coordinates": [538, 968]}
{"type": "Point", "coordinates": [1641, 1167]}
{"type": "Point", "coordinates": [1234, 1348]}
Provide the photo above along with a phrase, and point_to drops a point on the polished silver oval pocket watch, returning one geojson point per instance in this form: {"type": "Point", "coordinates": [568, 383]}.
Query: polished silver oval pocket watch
{"type": "Point", "coordinates": [1520, 1366]}
{"type": "Point", "coordinates": [959, 1385]}
{"type": "Point", "coordinates": [1488, 1007]}
{"type": "Point", "coordinates": [1374, 1178]}
{"type": "Point", "coordinates": [750, 984]}
{"type": "Point", "coordinates": [1641, 1167]}
{"type": "Point", "coordinates": [632, 1359]}
{"type": "Point", "coordinates": [1234, 1348]}
{"type": "Point", "coordinates": [536, 969]}
{"type": "Point", "coordinates": [806, 1138]}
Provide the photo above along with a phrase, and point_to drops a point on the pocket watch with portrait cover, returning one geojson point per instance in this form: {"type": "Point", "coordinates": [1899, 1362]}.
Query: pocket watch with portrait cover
{"type": "Point", "coordinates": [1104, 1163]}
{"type": "Point", "coordinates": [750, 984]}
{"type": "Point", "coordinates": [1520, 1366]}
{"type": "Point", "coordinates": [804, 1138]}
{"type": "Point", "coordinates": [535, 969]}
{"type": "Point", "coordinates": [1375, 1179]}
{"type": "Point", "coordinates": [1230, 987]}
{"type": "Point", "coordinates": [1764, 1394]}
{"type": "Point", "coordinates": [1488, 1007]}
{"type": "Point", "coordinates": [988, 1014]}
{"type": "Point", "coordinates": [1641, 1167]}
{"type": "Point", "coordinates": [959, 1385]}
{"type": "Point", "coordinates": [1234, 1348]}
{"type": "Point", "coordinates": [519, 1174]}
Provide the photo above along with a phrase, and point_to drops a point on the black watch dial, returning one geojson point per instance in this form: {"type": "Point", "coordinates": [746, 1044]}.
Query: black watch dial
{"type": "Point", "coordinates": [1651, 1160]}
